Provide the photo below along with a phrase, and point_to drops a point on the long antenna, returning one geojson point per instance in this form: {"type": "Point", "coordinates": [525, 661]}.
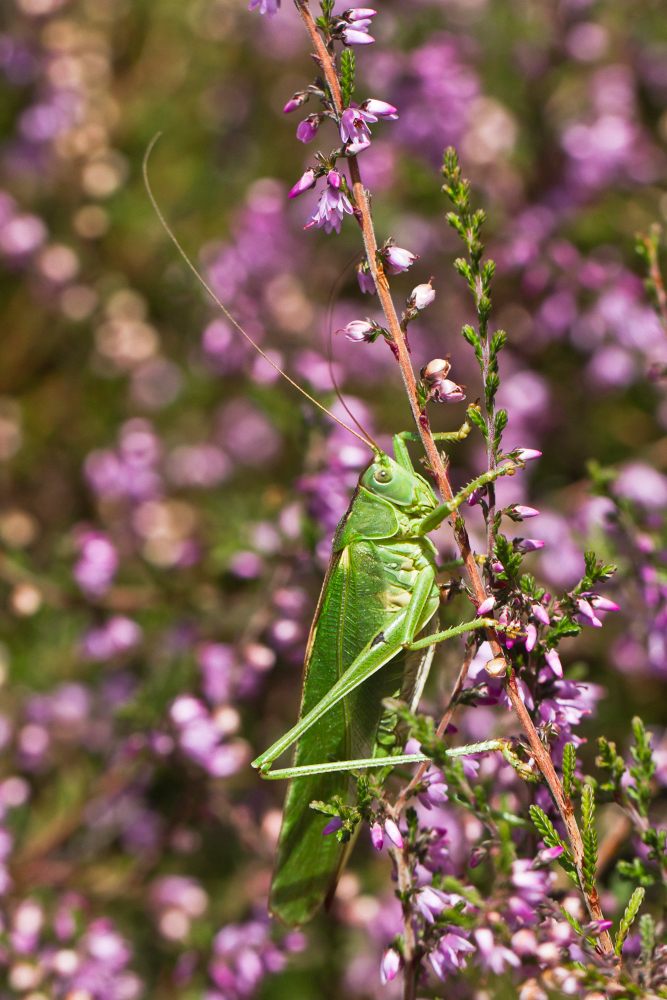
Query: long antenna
{"type": "Point", "coordinates": [217, 301]}
{"type": "Point", "coordinates": [329, 325]}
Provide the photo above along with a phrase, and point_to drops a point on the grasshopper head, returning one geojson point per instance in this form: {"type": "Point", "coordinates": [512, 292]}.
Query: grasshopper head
{"type": "Point", "coordinates": [387, 479]}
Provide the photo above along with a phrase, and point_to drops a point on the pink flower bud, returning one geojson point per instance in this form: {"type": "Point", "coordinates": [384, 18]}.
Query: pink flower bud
{"type": "Point", "coordinates": [550, 853]}
{"type": "Point", "coordinates": [604, 604]}
{"type": "Point", "coordinates": [541, 614]}
{"type": "Point", "coordinates": [334, 179]}
{"type": "Point", "coordinates": [398, 259]}
{"type": "Point", "coordinates": [587, 612]}
{"type": "Point", "coordinates": [365, 279]}
{"type": "Point", "coordinates": [353, 37]}
{"type": "Point", "coordinates": [359, 331]}
{"type": "Point", "coordinates": [380, 109]}
{"type": "Point", "coordinates": [307, 130]}
{"type": "Point", "coordinates": [422, 296]}
{"type": "Point", "coordinates": [390, 965]}
{"type": "Point", "coordinates": [360, 13]}
{"type": "Point", "coordinates": [532, 544]}
{"type": "Point", "coordinates": [531, 638]}
{"type": "Point", "coordinates": [393, 833]}
{"type": "Point", "coordinates": [332, 826]}
{"type": "Point", "coordinates": [528, 454]}
{"type": "Point", "coordinates": [553, 661]}
{"type": "Point", "coordinates": [526, 511]}
{"type": "Point", "coordinates": [305, 182]}
{"type": "Point", "coordinates": [377, 836]}
{"type": "Point", "coordinates": [486, 606]}
{"type": "Point", "coordinates": [295, 102]}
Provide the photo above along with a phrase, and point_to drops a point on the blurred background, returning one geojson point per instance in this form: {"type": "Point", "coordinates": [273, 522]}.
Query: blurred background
{"type": "Point", "coordinates": [167, 502]}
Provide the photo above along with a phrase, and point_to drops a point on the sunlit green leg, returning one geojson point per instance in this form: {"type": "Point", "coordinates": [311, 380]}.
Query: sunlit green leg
{"type": "Point", "coordinates": [380, 762]}
{"type": "Point", "coordinates": [378, 652]}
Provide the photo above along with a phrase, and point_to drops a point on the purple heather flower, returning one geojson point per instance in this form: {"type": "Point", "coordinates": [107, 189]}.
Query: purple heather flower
{"type": "Point", "coordinates": [269, 7]}
{"type": "Point", "coordinates": [553, 660]}
{"type": "Point", "coordinates": [216, 661]}
{"type": "Point", "coordinates": [307, 129]}
{"type": "Point", "coordinates": [540, 613]}
{"type": "Point", "coordinates": [422, 296]}
{"type": "Point", "coordinates": [446, 391]}
{"type": "Point", "coordinates": [97, 564]}
{"type": "Point", "coordinates": [353, 129]}
{"type": "Point", "coordinates": [332, 826]}
{"type": "Point", "coordinates": [431, 902]}
{"type": "Point", "coordinates": [549, 854]}
{"type": "Point", "coordinates": [379, 109]}
{"type": "Point", "coordinates": [586, 611]}
{"type": "Point", "coordinates": [486, 606]}
{"type": "Point", "coordinates": [360, 13]}
{"type": "Point", "coordinates": [393, 833]}
{"type": "Point", "coordinates": [296, 101]}
{"type": "Point", "coordinates": [358, 331]}
{"type": "Point", "coordinates": [532, 544]}
{"type": "Point", "coordinates": [448, 957]}
{"type": "Point", "coordinates": [494, 956]}
{"type": "Point", "coordinates": [531, 637]}
{"type": "Point", "coordinates": [377, 836]}
{"type": "Point", "coordinates": [528, 454]}
{"type": "Point", "coordinates": [398, 259]}
{"type": "Point", "coordinates": [604, 604]}
{"type": "Point", "coordinates": [353, 36]}
{"type": "Point", "coordinates": [118, 635]}
{"type": "Point", "coordinates": [474, 498]}
{"type": "Point", "coordinates": [331, 207]}
{"type": "Point", "coordinates": [390, 965]}
{"type": "Point", "coordinates": [365, 279]}
{"type": "Point", "coordinates": [525, 511]}
{"type": "Point", "coordinates": [305, 182]}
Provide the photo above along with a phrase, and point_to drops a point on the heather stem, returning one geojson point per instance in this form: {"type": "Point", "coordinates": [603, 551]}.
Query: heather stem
{"type": "Point", "coordinates": [410, 955]}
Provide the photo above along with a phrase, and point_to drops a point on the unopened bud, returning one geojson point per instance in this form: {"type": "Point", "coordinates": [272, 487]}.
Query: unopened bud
{"type": "Point", "coordinates": [436, 370]}
{"type": "Point", "coordinates": [422, 296]}
{"type": "Point", "coordinates": [305, 182]}
{"type": "Point", "coordinates": [553, 660]}
{"type": "Point", "coordinates": [486, 606]}
{"type": "Point", "coordinates": [295, 101]}
{"type": "Point", "coordinates": [528, 454]}
{"type": "Point", "coordinates": [334, 179]}
{"type": "Point", "coordinates": [497, 667]}
{"type": "Point", "coordinates": [394, 834]}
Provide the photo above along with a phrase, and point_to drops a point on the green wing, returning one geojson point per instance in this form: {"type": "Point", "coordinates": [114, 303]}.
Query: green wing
{"type": "Point", "coordinates": [352, 609]}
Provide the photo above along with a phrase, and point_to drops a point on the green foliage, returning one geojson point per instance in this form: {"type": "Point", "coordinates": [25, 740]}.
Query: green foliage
{"type": "Point", "coordinates": [611, 762]}
{"type": "Point", "coordinates": [644, 767]}
{"type": "Point", "coordinates": [589, 836]}
{"type": "Point", "coordinates": [637, 871]}
{"type": "Point", "coordinates": [647, 937]}
{"type": "Point", "coordinates": [347, 76]}
{"type": "Point", "coordinates": [628, 918]}
{"type": "Point", "coordinates": [510, 558]}
{"type": "Point", "coordinates": [350, 816]}
{"type": "Point", "coordinates": [569, 764]}
{"type": "Point", "coordinates": [552, 839]}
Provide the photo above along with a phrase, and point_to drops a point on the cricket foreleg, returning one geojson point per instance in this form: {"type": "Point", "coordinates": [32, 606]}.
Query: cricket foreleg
{"type": "Point", "coordinates": [381, 648]}
{"type": "Point", "coordinates": [437, 516]}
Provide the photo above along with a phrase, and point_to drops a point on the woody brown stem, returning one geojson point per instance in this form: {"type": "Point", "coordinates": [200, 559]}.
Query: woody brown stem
{"type": "Point", "coordinates": [564, 805]}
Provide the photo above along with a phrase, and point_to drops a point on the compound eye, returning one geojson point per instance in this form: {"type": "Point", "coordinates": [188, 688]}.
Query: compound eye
{"type": "Point", "coordinates": [383, 476]}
